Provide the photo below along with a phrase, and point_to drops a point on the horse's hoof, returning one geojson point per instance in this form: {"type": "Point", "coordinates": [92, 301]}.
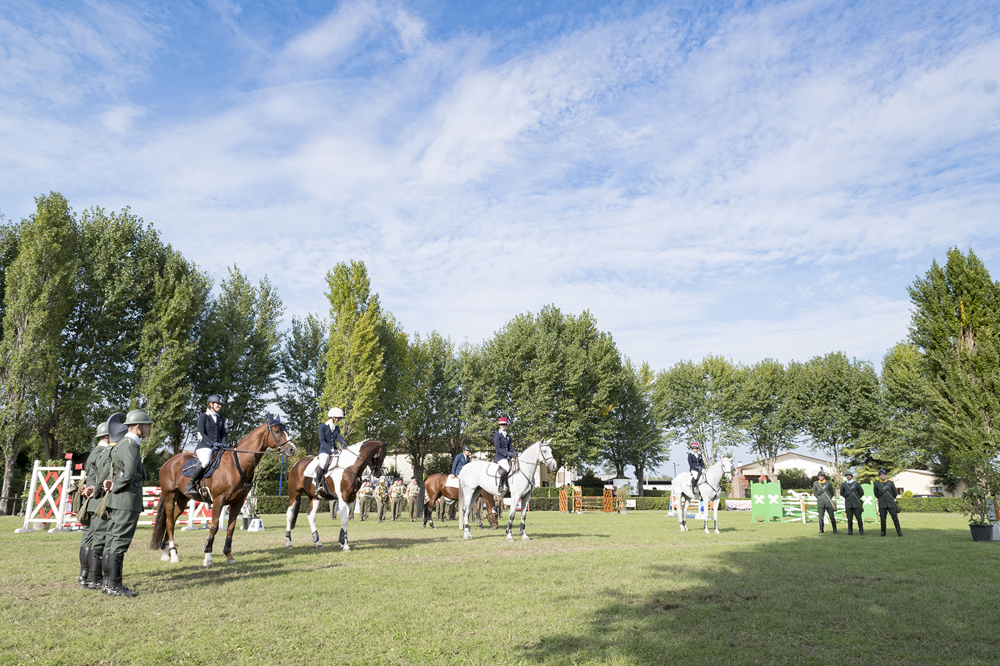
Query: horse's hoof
{"type": "Point", "coordinates": [345, 547]}
{"type": "Point", "coordinates": [524, 537]}
{"type": "Point", "coordinates": [510, 537]}
{"type": "Point", "coordinates": [319, 545]}
{"type": "Point", "coordinates": [288, 545]}
{"type": "Point", "coordinates": [231, 560]}
{"type": "Point", "coordinates": [164, 557]}
{"type": "Point", "coordinates": [467, 536]}
{"type": "Point", "coordinates": [174, 559]}
{"type": "Point", "coordinates": [208, 561]}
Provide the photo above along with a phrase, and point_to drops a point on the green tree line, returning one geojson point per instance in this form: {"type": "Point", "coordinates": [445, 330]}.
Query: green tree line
{"type": "Point", "coordinates": [98, 315]}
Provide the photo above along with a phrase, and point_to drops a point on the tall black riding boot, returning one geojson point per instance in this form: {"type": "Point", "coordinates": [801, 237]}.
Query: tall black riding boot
{"type": "Point", "coordinates": [117, 588]}
{"type": "Point", "coordinates": [319, 479]}
{"type": "Point", "coordinates": [821, 523]}
{"type": "Point", "coordinates": [502, 485]}
{"type": "Point", "coordinates": [192, 488]}
{"type": "Point", "coordinates": [95, 580]}
{"type": "Point", "coordinates": [84, 565]}
{"type": "Point", "coordinates": [107, 562]}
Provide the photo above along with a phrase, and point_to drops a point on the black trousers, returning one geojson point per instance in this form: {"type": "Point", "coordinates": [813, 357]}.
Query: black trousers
{"type": "Point", "coordinates": [882, 510]}
{"type": "Point", "coordinates": [822, 513]}
{"type": "Point", "coordinates": [851, 515]}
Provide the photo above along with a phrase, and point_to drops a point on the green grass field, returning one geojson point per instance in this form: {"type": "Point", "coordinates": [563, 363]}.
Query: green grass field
{"type": "Point", "coordinates": [588, 589]}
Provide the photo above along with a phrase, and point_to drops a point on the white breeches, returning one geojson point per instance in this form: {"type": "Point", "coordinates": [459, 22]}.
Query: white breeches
{"type": "Point", "coordinates": [323, 459]}
{"type": "Point", "coordinates": [505, 463]}
{"type": "Point", "coordinates": [203, 455]}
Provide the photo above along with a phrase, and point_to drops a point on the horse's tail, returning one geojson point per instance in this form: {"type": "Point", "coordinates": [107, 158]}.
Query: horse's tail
{"type": "Point", "coordinates": [160, 526]}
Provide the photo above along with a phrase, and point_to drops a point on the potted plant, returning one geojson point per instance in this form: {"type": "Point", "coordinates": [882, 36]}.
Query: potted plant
{"type": "Point", "coordinates": [975, 504]}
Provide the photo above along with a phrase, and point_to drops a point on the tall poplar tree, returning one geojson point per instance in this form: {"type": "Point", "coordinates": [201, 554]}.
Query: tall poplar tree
{"type": "Point", "coordinates": [302, 365]}
{"type": "Point", "coordinates": [36, 303]}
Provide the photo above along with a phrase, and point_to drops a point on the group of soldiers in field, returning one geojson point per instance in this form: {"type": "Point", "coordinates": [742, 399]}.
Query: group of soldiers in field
{"type": "Point", "coordinates": [885, 492]}
{"type": "Point", "coordinates": [113, 501]}
{"type": "Point", "coordinates": [384, 495]}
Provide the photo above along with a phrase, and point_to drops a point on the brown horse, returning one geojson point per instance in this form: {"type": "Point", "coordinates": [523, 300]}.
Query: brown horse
{"type": "Point", "coordinates": [343, 481]}
{"type": "Point", "coordinates": [434, 487]}
{"type": "Point", "coordinates": [229, 486]}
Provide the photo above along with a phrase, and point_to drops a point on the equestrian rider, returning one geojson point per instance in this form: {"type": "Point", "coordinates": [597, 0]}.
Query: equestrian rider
{"type": "Point", "coordinates": [460, 460]}
{"type": "Point", "coordinates": [124, 489]}
{"type": "Point", "coordinates": [211, 434]}
{"type": "Point", "coordinates": [697, 464]}
{"type": "Point", "coordinates": [505, 455]}
{"type": "Point", "coordinates": [329, 435]}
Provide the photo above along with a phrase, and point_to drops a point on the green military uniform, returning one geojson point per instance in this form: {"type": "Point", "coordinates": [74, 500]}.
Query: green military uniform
{"type": "Point", "coordinates": [365, 500]}
{"type": "Point", "coordinates": [412, 493]}
{"type": "Point", "coordinates": [852, 493]}
{"type": "Point", "coordinates": [886, 493]}
{"type": "Point", "coordinates": [124, 505]}
{"type": "Point", "coordinates": [381, 495]}
{"type": "Point", "coordinates": [396, 493]}
{"type": "Point", "coordinates": [823, 492]}
{"type": "Point", "coordinates": [97, 468]}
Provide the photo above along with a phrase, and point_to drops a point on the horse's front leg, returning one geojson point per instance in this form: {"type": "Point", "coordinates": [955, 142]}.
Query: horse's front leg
{"type": "Point", "coordinates": [466, 501]}
{"type": "Point", "coordinates": [715, 513]}
{"type": "Point", "coordinates": [216, 517]}
{"type": "Point", "coordinates": [510, 518]}
{"type": "Point", "coordinates": [176, 509]}
{"type": "Point", "coordinates": [234, 510]}
{"type": "Point", "coordinates": [345, 515]}
{"type": "Point", "coordinates": [312, 522]}
{"type": "Point", "coordinates": [682, 513]}
{"type": "Point", "coordinates": [524, 517]}
{"type": "Point", "coordinates": [428, 514]}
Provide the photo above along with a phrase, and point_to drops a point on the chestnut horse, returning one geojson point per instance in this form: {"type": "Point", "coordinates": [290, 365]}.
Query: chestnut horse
{"type": "Point", "coordinates": [344, 480]}
{"type": "Point", "coordinates": [229, 486]}
{"type": "Point", "coordinates": [434, 487]}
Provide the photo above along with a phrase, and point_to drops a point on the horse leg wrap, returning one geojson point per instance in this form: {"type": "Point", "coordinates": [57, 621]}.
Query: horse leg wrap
{"type": "Point", "coordinates": [228, 548]}
{"type": "Point", "coordinates": [343, 536]}
{"type": "Point", "coordinates": [315, 537]}
{"type": "Point", "coordinates": [208, 545]}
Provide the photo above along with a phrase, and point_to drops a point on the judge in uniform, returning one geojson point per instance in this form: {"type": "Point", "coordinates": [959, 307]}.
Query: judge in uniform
{"type": "Point", "coordinates": [211, 434]}
{"type": "Point", "coordinates": [329, 437]}
{"type": "Point", "coordinates": [852, 492]}
{"type": "Point", "coordinates": [823, 491]}
{"type": "Point", "coordinates": [886, 492]}
{"type": "Point", "coordinates": [99, 469]}
{"type": "Point", "coordinates": [505, 454]}
{"type": "Point", "coordinates": [412, 493]}
{"type": "Point", "coordinates": [124, 490]}
{"type": "Point", "coordinates": [85, 515]}
{"type": "Point", "coordinates": [365, 498]}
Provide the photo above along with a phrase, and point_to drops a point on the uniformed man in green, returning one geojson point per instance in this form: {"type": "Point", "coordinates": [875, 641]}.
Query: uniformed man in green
{"type": "Point", "coordinates": [852, 493]}
{"type": "Point", "coordinates": [98, 469]}
{"type": "Point", "coordinates": [125, 499]}
{"type": "Point", "coordinates": [886, 493]}
{"type": "Point", "coordinates": [823, 491]}
{"type": "Point", "coordinates": [84, 515]}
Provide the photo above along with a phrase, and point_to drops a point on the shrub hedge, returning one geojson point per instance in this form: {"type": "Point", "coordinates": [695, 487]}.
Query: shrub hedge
{"type": "Point", "coordinates": [930, 504]}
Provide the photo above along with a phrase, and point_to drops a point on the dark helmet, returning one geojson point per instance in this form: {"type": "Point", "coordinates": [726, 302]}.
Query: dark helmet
{"type": "Point", "coordinates": [138, 417]}
{"type": "Point", "coordinates": [882, 472]}
{"type": "Point", "coordinates": [215, 397]}
{"type": "Point", "coordinates": [849, 472]}
{"type": "Point", "coordinates": [102, 430]}
{"type": "Point", "coordinates": [116, 426]}
{"type": "Point", "coordinates": [467, 448]}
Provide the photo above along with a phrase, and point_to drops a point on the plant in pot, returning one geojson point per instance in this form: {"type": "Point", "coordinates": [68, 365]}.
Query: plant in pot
{"type": "Point", "coordinates": [976, 503]}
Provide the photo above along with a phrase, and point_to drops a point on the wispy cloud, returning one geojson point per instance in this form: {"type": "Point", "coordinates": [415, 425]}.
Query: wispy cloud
{"type": "Point", "coordinates": [763, 182]}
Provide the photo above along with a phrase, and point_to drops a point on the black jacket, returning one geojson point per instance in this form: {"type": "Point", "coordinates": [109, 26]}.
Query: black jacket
{"type": "Point", "coordinates": [505, 450]}
{"type": "Point", "coordinates": [211, 430]}
{"type": "Point", "coordinates": [328, 438]}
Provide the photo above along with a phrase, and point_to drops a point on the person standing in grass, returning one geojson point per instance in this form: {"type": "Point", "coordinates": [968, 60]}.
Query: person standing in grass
{"type": "Point", "coordinates": [886, 493]}
{"type": "Point", "coordinates": [397, 492]}
{"type": "Point", "coordinates": [852, 492]}
{"type": "Point", "coordinates": [95, 470]}
{"type": "Point", "coordinates": [381, 497]}
{"type": "Point", "coordinates": [124, 489]}
{"type": "Point", "coordinates": [365, 498]}
{"type": "Point", "coordinates": [823, 491]}
{"type": "Point", "coordinates": [412, 493]}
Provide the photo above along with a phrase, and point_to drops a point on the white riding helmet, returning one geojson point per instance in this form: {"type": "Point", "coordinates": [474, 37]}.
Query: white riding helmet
{"type": "Point", "coordinates": [335, 413]}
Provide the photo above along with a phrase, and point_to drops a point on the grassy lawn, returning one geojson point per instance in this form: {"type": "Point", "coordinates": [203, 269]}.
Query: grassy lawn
{"type": "Point", "coordinates": [587, 589]}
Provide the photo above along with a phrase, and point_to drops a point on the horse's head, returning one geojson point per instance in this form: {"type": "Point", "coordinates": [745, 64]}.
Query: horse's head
{"type": "Point", "coordinates": [545, 453]}
{"type": "Point", "coordinates": [278, 437]}
{"type": "Point", "coordinates": [378, 457]}
{"type": "Point", "coordinates": [727, 466]}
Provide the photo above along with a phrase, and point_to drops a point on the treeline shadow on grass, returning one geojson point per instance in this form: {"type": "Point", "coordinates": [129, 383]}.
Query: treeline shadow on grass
{"type": "Point", "coordinates": [805, 600]}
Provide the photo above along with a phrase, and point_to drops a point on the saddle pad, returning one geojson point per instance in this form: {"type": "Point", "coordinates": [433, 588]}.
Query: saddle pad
{"type": "Point", "coordinates": [310, 471]}
{"type": "Point", "coordinates": [213, 464]}
{"type": "Point", "coordinates": [452, 481]}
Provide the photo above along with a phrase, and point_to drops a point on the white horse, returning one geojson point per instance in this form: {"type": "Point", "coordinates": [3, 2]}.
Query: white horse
{"type": "Point", "coordinates": [709, 487]}
{"type": "Point", "coordinates": [478, 476]}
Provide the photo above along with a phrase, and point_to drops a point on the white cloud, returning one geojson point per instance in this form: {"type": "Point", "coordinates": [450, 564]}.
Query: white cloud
{"type": "Point", "coordinates": [767, 188]}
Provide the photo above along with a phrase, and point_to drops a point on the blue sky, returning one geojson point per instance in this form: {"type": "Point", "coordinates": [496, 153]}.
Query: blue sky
{"type": "Point", "coordinates": [749, 179]}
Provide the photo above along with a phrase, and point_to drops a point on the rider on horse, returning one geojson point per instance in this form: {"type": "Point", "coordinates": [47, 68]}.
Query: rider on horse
{"type": "Point", "coordinates": [211, 434]}
{"type": "Point", "coordinates": [460, 460]}
{"type": "Point", "coordinates": [505, 456]}
{"type": "Point", "coordinates": [697, 464]}
{"type": "Point", "coordinates": [329, 435]}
